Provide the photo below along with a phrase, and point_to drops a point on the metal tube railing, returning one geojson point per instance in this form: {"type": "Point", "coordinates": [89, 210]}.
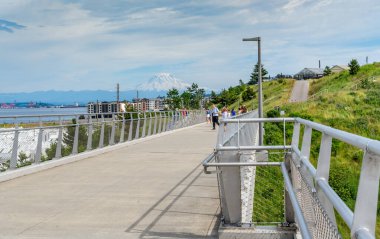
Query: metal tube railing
{"type": "Point", "coordinates": [362, 222]}
{"type": "Point", "coordinates": [110, 129]}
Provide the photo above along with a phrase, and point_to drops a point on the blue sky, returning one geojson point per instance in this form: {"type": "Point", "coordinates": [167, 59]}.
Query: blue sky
{"type": "Point", "coordinates": [93, 44]}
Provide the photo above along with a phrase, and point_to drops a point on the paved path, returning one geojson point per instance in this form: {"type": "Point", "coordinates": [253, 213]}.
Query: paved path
{"type": "Point", "coordinates": [153, 189]}
{"type": "Point", "coordinates": [300, 91]}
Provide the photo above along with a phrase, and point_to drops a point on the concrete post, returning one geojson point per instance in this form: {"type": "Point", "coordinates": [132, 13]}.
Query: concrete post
{"type": "Point", "coordinates": [155, 123]}
{"type": "Point", "coordinates": [13, 161]}
{"type": "Point", "coordinates": [150, 124]}
{"type": "Point", "coordinates": [101, 140]}
{"type": "Point", "coordinates": [76, 136]}
{"type": "Point", "coordinates": [160, 124]}
{"type": "Point", "coordinates": [112, 138]}
{"type": "Point", "coordinates": [37, 158]}
{"type": "Point", "coordinates": [122, 131]}
{"type": "Point", "coordinates": [137, 135]}
{"type": "Point", "coordinates": [130, 127]}
{"type": "Point", "coordinates": [144, 126]}
{"type": "Point", "coordinates": [58, 150]}
{"type": "Point", "coordinates": [89, 132]}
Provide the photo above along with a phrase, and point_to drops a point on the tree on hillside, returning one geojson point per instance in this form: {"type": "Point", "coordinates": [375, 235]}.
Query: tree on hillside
{"type": "Point", "coordinates": [196, 95]}
{"type": "Point", "coordinates": [214, 97]}
{"type": "Point", "coordinates": [248, 94]}
{"type": "Point", "coordinates": [242, 85]}
{"type": "Point", "coordinates": [186, 99]}
{"type": "Point", "coordinates": [255, 74]}
{"type": "Point", "coordinates": [327, 71]}
{"type": "Point", "coordinates": [174, 99]}
{"type": "Point", "coordinates": [354, 66]}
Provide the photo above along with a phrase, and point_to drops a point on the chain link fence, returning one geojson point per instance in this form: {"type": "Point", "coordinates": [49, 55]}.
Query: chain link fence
{"type": "Point", "coordinates": [268, 196]}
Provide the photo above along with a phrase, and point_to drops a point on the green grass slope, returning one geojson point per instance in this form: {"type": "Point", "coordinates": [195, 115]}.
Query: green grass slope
{"type": "Point", "coordinates": [343, 101]}
{"type": "Point", "coordinates": [350, 103]}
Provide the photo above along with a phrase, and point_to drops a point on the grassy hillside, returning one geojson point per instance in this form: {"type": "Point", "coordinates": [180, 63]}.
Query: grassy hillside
{"type": "Point", "coordinates": [352, 104]}
{"type": "Point", "coordinates": [276, 93]}
{"type": "Point", "coordinates": [346, 102]}
{"type": "Point", "coordinates": [349, 103]}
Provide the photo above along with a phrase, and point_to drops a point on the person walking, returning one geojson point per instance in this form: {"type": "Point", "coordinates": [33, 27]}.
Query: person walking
{"type": "Point", "coordinates": [208, 116]}
{"type": "Point", "coordinates": [244, 109]}
{"type": "Point", "coordinates": [215, 115]}
{"type": "Point", "coordinates": [233, 113]}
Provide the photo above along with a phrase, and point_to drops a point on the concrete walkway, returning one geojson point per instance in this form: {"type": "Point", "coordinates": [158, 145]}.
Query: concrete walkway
{"type": "Point", "coordinates": [300, 91]}
{"type": "Point", "coordinates": [153, 189]}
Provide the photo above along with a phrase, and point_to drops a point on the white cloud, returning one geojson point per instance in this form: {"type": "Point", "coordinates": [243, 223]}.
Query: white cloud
{"type": "Point", "coordinates": [68, 45]}
{"type": "Point", "coordinates": [293, 4]}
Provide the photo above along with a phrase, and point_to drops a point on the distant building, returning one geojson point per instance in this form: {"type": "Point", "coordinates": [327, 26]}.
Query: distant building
{"type": "Point", "coordinates": [102, 107]}
{"type": "Point", "coordinates": [140, 104]}
{"type": "Point", "coordinates": [309, 73]}
{"type": "Point", "coordinates": [339, 68]}
{"type": "Point", "coordinates": [148, 104]}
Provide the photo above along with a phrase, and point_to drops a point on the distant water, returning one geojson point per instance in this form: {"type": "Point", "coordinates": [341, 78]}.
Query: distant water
{"type": "Point", "coordinates": [38, 111]}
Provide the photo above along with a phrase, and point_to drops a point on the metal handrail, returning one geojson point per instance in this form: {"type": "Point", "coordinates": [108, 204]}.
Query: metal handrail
{"type": "Point", "coordinates": [84, 114]}
{"type": "Point", "coordinates": [152, 122]}
{"type": "Point", "coordinates": [362, 222]}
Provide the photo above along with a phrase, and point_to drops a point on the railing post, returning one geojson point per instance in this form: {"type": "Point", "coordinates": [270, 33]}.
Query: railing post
{"type": "Point", "coordinates": [175, 119]}
{"type": "Point", "coordinates": [164, 123]}
{"type": "Point", "coordinates": [76, 136]}
{"type": "Point", "coordinates": [155, 123]}
{"type": "Point", "coordinates": [306, 143]}
{"type": "Point", "coordinates": [323, 171]}
{"type": "Point", "coordinates": [137, 135]}
{"type": "Point", "coordinates": [230, 186]}
{"type": "Point", "coordinates": [289, 211]}
{"type": "Point", "coordinates": [112, 139]}
{"type": "Point", "coordinates": [229, 178]}
{"type": "Point", "coordinates": [13, 161]}
{"type": "Point", "coordinates": [170, 120]}
{"type": "Point", "coordinates": [150, 124]}
{"type": "Point", "coordinates": [160, 124]}
{"type": "Point", "coordinates": [130, 127]}
{"type": "Point", "coordinates": [58, 150]}
{"type": "Point", "coordinates": [122, 131]}
{"type": "Point", "coordinates": [367, 196]}
{"type": "Point", "coordinates": [296, 134]}
{"type": "Point", "coordinates": [144, 126]}
{"type": "Point", "coordinates": [101, 140]}
{"type": "Point", "coordinates": [89, 133]}
{"type": "Point", "coordinates": [37, 158]}
{"type": "Point", "coordinates": [181, 118]}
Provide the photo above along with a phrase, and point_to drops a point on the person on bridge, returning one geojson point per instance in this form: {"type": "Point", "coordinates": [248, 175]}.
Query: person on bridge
{"type": "Point", "coordinates": [233, 112]}
{"type": "Point", "coordinates": [225, 116]}
{"type": "Point", "coordinates": [215, 115]}
{"type": "Point", "coordinates": [208, 116]}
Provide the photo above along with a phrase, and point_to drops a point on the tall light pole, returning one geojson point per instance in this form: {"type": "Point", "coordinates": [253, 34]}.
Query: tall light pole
{"type": "Point", "coordinates": [258, 39]}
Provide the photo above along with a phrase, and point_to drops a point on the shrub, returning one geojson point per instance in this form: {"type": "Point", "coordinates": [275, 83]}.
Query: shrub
{"type": "Point", "coordinates": [248, 94]}
{"type": "Point", "coordinates": [354, 67]}
{"type": "Point", "coordinates": [273, 113]}
{"type": "Point", "coordinates": [366, 83]}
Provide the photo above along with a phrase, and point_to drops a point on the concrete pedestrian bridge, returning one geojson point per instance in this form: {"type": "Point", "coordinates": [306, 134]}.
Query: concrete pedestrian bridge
{"type": "Point", "coordinates": [151, 189]}
{"type": "Point", "coordinates": [147, 175]}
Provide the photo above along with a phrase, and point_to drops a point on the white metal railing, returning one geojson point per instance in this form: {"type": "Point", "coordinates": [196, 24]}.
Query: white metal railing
{"type": "Point", "coordinates": [31, 139]}
{"type": "Point", "coordinates": [311, 197]}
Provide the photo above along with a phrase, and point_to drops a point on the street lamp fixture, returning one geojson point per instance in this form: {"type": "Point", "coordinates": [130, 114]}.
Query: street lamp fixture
{"type": "Point", "coordinates": [258, 39]}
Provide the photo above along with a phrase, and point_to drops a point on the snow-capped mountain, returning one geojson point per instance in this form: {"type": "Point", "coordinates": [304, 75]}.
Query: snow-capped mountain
{"type": "Point", "coordinates": [162, 82]}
